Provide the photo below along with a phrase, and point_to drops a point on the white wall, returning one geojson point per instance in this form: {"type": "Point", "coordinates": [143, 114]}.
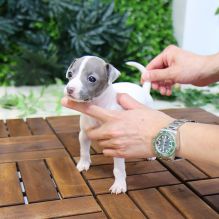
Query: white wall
{"type": "Point", "coordinates": [196, 25]}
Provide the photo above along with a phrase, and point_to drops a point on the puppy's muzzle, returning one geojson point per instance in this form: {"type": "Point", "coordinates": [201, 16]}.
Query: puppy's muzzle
{"type": "Point", "coordinates": [70, 91]}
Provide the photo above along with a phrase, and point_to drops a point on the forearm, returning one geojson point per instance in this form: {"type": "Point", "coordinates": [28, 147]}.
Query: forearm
{"type": "Point", "coordinates": [199, 142]}
{"type": "Point", "coordinates": [212, 68]}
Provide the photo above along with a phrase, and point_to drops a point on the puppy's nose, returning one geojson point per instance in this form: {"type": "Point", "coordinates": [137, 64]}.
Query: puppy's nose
{"type": "Point", "coordinates": [70, 90]}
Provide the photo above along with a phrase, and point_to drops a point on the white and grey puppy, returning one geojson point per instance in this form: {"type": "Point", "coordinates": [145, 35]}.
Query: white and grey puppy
{"type": "Point", "coordinates": [90, 79]}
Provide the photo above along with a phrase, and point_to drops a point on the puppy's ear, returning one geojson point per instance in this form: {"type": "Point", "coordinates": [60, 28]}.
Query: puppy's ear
{"type": "Point", "coordinates": [112, 73]}
{"type": "Point", "coordinates": [72, 63]}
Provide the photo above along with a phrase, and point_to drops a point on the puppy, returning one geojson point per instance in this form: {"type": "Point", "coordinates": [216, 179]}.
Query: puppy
{"type": "Point", "coordinates": [90, 79]}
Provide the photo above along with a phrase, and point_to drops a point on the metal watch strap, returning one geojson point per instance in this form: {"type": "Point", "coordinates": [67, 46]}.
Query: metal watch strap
{"type": "Point", "coordinates": [175, 125]}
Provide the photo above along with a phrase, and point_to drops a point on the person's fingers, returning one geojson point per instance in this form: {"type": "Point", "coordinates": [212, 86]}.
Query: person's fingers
{"type": "Point", "coordinates": [158, 75]}
{"type": "Point", "coordinates": [169, 91]}
{"type": "Point", "coordinates": [112, 153]}
{"type": "Point", "coordinates": [91, 110]}
{"type": "Point", "coordinates": [155, 85]}
{"type": "Point", "coordinates": [107, 143]}
{"type": "Point", "coordinates": [162, 90]}
{"type": "Point", "coordinates": [127, 102]}
{"type": "Point", "coordinates": [157, 63]}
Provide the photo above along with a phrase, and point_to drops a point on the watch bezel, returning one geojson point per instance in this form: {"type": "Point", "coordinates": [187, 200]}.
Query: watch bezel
{"type": "Point", "coordinates": [171, 153]}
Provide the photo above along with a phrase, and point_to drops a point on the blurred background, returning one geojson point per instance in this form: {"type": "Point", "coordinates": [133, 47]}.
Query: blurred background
{"type": "Point", "coordinates": [39, 39]}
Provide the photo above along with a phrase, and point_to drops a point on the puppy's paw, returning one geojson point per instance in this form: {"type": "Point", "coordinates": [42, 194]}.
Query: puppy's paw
{"type": "Point", "coordinates": [118, 186]}
{"type": "Point", "coordinates": [83, 165]}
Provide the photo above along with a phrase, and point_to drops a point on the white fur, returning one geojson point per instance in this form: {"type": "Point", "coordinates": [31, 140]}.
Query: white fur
{"type": "Point", "coordinates": [108, 100]}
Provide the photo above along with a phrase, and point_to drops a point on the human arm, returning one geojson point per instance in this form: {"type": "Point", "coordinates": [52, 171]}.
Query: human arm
{"type": "Point", "coordinates": [129, 133]}
{"type": "Point", "coordinates": [175, 65]}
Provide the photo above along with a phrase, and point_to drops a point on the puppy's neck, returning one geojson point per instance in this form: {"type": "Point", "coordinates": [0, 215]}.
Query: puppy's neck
{"type": "Point", "coordinates": [107, 99]}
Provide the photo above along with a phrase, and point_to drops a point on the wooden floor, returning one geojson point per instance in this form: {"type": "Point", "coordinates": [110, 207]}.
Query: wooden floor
{"type": "Point", "coordinates": [39, 179]}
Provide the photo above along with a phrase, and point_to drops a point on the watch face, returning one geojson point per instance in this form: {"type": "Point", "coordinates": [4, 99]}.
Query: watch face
{"type": "Point", "coordinates": [165, 144]}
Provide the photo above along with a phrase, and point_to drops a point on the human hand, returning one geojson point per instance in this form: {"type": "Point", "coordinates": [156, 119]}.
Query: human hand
{"type": "Point", "coordinates": [175, 65]}
{"type": "Point", "coordinates": [127, 133]}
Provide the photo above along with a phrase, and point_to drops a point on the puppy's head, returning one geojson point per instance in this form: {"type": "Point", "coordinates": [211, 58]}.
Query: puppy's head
{"type": "Point", "coordinates": [89, 76]}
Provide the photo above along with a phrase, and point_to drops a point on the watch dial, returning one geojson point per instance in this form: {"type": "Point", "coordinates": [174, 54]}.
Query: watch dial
{"type": "Point", "coordinates": [165, 144]}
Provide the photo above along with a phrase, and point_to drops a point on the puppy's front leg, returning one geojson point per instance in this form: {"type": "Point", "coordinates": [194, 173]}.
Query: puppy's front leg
{"type": "Point", "coordinates": [119, 184]}
{"type": "Point", "coordinates": [84, 162]}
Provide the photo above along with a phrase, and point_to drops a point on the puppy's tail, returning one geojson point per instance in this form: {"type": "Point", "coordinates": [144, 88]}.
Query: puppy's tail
{"type": "Point", "coordinates": [142, 69]}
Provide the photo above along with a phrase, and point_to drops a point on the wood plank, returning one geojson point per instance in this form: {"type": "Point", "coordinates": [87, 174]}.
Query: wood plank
{"type": "Point", "coordinates": [132, 168]}
{"type": "Point", "coordinates": [3, 130]}
{"type": "Point", "coordinates": [67, 177]}
{"type": "Point", "coordinates": [209, 169]}
{"type": "Point", "coordinates": [29, 143]}
{"type": "Point", "coordinates": [197, 114]}
{"type": "Point", "coordinates": [98, 215]}
{"type": "Point", "coordinates": [214, 201]}
{"type": "Point", "coordinates": [17, 127]}
{"type": "Point", "coordinates": [52, 209]}
{"type": "Point", "coordinates": [206, 187]}
{"type": "Point", "coordinates": [143, 181]}
{"type": "Point", "coordinates": [64, 123]}
{"type": "Point", "coordinates": [96, 148]}
{"type": "Point", "coordinates": [100, 159]}
{"type": "Point", "coordinates": [11, 193]}
{"type": "Point", "coordinates": [153, 204]}
{"type": "Point", "coordinates": [185, 170]}
{"type": "Point", "coordinates": [39, 126]}
{"type": "Point", "coordinates": [37, 181]}
{"type": "Point", "coordinates": [119, 206]}
{"type": "Point", "coordinates": [30, 155]}
{"type": "Point", "coordinates": [188, 203]}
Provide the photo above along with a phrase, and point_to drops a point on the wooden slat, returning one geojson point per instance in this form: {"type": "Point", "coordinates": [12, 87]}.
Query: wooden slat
{"type": "Point", "coordinates": [185, 170]}
{"type": "Point", "coordinates": [51, 209]}
{"type": "Point", "coordinates": [67, 177]}
{"type": "Point", "coordinates": [64, 123]}
{"type": "Point", "coordinates": [17, 127]}
{"type": "Point", "coordinates": [197, 114]}
{"type": "Point", "coordinates": [142, 181]}
{"type": "Point", "coordinates": [99, 215]}
{"type": "Point", "coordinates": [154, 205]}
{"type": "Point", "coordinates": [96, 148]}
{"type": "Point", "coordinates": [29, 143]}
{"type": "Point", "coordinates": [132, 168]}
{"type": "Point", "coordinates": [100, 159]}
{"type": "Point", "coordinates": [206, 187]}
{"type": "Point", "coordinates": [209, 169]}
{"type": "Point", "coordinates": [120, 206]}
{"type": "Point", "coordinates": [30, 155]}
{"type": "Point", "coordinates": [39, 126]}
{"type": "Point", "coordinates": [11, 193]}
{"type": "Point", "coordinates": [213, 200]}
{"type": "Point", "coordinates": [187, 202]}
{"type": "Point", "coordinates": [3, 130]}
{"type": "Point", "coordinates": [37, 181]}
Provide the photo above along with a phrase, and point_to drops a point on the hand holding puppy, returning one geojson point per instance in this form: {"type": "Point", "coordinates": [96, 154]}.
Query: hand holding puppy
{"type": "Point", "coordinates": [126, 133]}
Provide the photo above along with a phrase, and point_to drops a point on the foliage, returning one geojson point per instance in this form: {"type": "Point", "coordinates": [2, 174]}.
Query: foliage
{"type": "Point", "coordinates": [39, 38]}
{"type": "Point", "coordinates": [191, 97]}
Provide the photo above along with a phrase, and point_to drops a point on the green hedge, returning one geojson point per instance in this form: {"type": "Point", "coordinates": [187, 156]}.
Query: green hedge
{"type": "Point", "coordinates": [38, 38]}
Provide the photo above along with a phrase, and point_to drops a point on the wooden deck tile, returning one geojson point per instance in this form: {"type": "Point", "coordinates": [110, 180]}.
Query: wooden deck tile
{"type": "Point", "coordinates": [143, 181]}
{"type": "Point", "coordinates": [211, 170]}
{"type": "Point", "coordinates": [39, 126]}
{"type": "Point", "coordinates": [213, 200]}
{"type": "Point", "coordinates": [188, 203]}
{"type": "Point", "coordinates": [17, 127]}
{"type": "Point", "coordinates": [99, 215]}
{"type": "Point", "coordinates": [119, 206]}
{"type": "Point", "coordinates": [185, 170]}
{"type": "Point", "coordinates": [11, 193]}
{"type": "Point", "coordinates": [206, 187]}
{"type": "Point", "coordinates": [67, 177]}
{"type": "Point", "coordinates": [154, 205]}
{"type": "Point", "coordinates": [51, 209]}
{"type": "Point", "coordinates": [29, 143]}
{"type": "Point", "coordinates": [64, 123]}
{"type": "Point", "coordinates": [105, 171]}
{"type": "Point", "coordinates": [37, 181]}
{"type": "Point", "coordinates": [3, 130]}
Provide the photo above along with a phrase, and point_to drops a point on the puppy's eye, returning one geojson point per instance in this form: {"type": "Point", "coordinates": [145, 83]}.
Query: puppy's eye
{"type": "Point", "coordinates": [69, 74]}
{"type": "Point", "coordinates": [91, 79]}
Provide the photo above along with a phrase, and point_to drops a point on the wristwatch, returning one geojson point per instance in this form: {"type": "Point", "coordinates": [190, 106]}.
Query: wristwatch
{"type": "Point", "coordinates": [167, 141]}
